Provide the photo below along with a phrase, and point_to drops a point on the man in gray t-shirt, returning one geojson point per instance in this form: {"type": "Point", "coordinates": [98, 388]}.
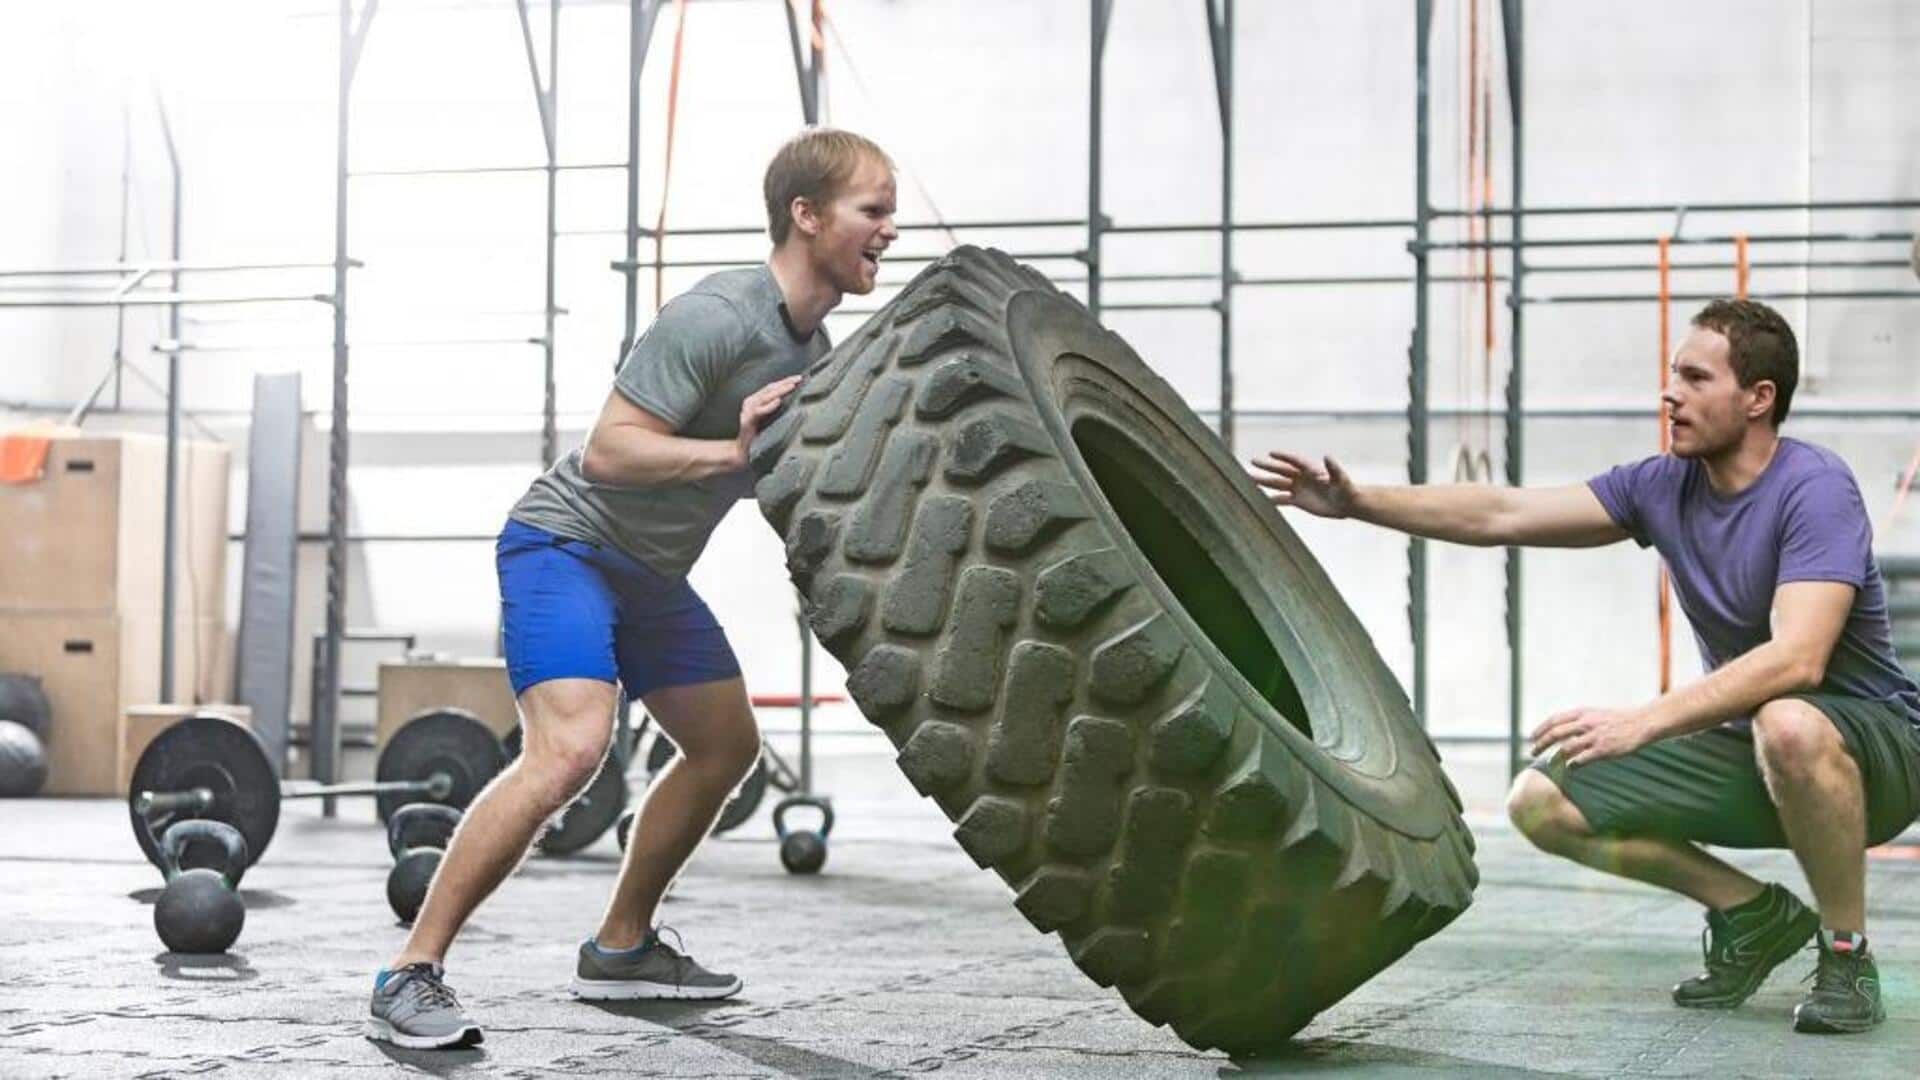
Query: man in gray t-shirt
{"type": "Point", "coordinates": [706, 353]}
{"type": "Point", "coordinates": [595, 600]}
{"type": "Point", "coordinates": [1805, 731]}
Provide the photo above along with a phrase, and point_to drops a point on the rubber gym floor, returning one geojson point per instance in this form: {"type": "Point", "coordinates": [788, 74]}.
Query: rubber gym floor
{"type": "Point", "coordinates": [900, 959]}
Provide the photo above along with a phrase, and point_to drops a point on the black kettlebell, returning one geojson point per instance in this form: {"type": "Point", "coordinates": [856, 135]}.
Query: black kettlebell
{"type": "Point", "coordinates": [624, 828]}
{"type": "Point", "coordinates": [23, 761]}
{"type": "Point", "coordinates": [803, 851]}
{"type": "Point", "coordinates": [417, 834]}
{"type": "Point", "coordinates": [199, 911]}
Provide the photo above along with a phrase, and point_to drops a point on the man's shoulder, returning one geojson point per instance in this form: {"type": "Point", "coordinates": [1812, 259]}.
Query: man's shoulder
{"type": "Point", "coordinates": [1817, 479]}
{"type": "Point", "coordinates": [1805, 459]}
{"type": "Point", "coordinates": [742, 289]}
{"type": "Point", "coordinates": [710, 311]}
{"type": "Point", "coordinates": [1656, 469]}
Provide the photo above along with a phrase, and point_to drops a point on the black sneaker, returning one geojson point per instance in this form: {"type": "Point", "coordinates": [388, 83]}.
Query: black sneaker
{"type": "Point", "coordinates": [1846, 989]}
{"type": "Point", "coordinates": [1742, 949]}
{"type": "Point", "coordinates": [654, 971]}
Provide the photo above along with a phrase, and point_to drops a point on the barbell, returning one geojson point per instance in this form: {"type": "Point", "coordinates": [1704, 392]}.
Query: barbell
{"type": "Point", "coordinates": [212, 768]}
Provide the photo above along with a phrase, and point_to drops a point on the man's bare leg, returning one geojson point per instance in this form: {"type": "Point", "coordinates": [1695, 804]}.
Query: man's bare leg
{"type": "Point", "coordinates": [712, 724]}
{"type": "Point", "coordinates": [568, 725]}
{"type": "Point", "coordinates": [1816, 785]}
{"type": "Point", "coordinates": [1544, 814]}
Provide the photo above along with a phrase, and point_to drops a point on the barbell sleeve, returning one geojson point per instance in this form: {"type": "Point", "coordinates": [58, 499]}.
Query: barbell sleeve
{"type": "Point", "coordinates": [436, 786]}
{"type": "Point", "coordinates": [192, 801]}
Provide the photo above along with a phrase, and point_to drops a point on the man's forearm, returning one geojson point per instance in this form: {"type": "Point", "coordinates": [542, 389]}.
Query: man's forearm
{"type": "Point", "coordinates": [1734, 689]}
{"type": "Point", "coordinates": [635, 457]}
{"type": "Point", "coordinates": [1458, 513]}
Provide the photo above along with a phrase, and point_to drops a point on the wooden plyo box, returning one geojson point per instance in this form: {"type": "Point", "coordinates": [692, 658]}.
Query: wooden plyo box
{"type": "Point", "coordinates": [93, 666]}
{"type": "Point", "coordinates": [87, 536]}
{"type": "Point", "coordinates": [140, 723]}
{"type": "Point", "coordinates": [479, 686]}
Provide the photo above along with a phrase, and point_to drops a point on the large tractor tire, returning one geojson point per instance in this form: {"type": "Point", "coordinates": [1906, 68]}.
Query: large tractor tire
{"type": "Point", "coordinates": [1105, 656]}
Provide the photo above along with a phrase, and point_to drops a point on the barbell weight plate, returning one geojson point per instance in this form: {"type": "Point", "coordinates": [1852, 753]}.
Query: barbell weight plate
{"type": "Point", "coordinates": [451, 741]}
{"type": "Point", "coordinates": [588, 817]}
{"type": "Point", "coordinates": [217, 754]}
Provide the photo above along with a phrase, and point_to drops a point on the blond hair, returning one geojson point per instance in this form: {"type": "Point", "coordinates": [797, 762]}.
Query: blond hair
{"type": "Point", "coordinates": [813, 165]}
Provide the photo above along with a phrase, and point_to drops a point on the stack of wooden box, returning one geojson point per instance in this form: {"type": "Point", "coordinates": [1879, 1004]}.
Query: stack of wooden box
{"type": "Point", "coordinates": [80, 591]}
{"type": "Point", "coordinates": [408, 687]}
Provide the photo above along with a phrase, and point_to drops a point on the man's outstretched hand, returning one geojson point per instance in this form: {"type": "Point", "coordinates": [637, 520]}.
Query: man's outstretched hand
{"type": "Point", "coordinates": [756, 407]}
{"type": "Point", "coordinates": [1294, 481]}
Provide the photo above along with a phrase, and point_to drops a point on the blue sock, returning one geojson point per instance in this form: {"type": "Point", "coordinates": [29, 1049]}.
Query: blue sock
{"type": "Point", "coordinates": [645, 944]}
{"type": "Point", "coordinates": [380, 979]}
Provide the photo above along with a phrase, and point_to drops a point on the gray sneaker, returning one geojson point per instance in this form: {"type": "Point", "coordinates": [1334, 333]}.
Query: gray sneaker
{"type": "Point", "coordinates": [652, 972]}
{"type": "Point", "coordinates": [414, 1008]}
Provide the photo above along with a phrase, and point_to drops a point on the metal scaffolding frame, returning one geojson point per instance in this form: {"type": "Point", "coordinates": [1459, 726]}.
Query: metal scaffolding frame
{"type": "Point", "coordinates": [1516, 244]}
{"type": "Point", "coordinates": [643, 16]}
{"type": "Point", "coordinates": [126, 289]}
{"type": "Point", "coordinates": [325, 689]}
{"type": "Point", "coordinates": [324, 706]}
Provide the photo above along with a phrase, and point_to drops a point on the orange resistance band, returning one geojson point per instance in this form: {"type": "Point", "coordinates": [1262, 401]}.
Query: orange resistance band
{"type": "Point", "coordinates": [1486, 253]}
{"type": "Point", "coordinates": [1666, 439]}
{"type": "Point", "coordinates": [1478, 93]}
{"type": "Point", "coordinates": [814, 21]}
{"type": "Point", "coordinates": [666, 174]}
{"type": "Point", "coordinates": [1740, 265]}
{"type": "Point", "coordinates": [1906, 485]}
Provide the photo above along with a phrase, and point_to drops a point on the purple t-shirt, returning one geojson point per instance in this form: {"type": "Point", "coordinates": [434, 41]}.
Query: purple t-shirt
{"type": "Point", "coordinates": [1801, 520]}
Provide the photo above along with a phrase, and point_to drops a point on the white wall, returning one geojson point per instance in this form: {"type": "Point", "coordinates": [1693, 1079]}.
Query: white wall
{"type": "Point", "coordinates": [984, 103]}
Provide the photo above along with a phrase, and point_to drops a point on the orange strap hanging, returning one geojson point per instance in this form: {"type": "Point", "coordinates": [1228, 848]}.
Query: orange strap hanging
{"type": "Point", "coordinates": [1486, 265]}
{"type": "Point", "coordinates": [813, 22]}
{"type": "Point", "coordinates": [1472, 93]}
{"type": "Point", "coordinates": [1740, 265]}
{"type": "Point", "coordinates": [1900, 492]}
{"type": "Point", "coordinates": [1665, 601]}
{"type": "Point", "coordinates": [666, 173]}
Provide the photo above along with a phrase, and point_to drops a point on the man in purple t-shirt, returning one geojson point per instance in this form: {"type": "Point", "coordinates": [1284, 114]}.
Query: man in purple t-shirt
{"type": "Point", "coordinates": [1805, 731]}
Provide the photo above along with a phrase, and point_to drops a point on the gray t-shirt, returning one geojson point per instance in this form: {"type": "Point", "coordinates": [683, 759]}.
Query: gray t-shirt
{"type": "Point", "coordinates": [706, 351]}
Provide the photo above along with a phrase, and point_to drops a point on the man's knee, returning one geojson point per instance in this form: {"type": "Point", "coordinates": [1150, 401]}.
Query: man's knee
{"type": "Point", "coordinates": [565, 739]}
{"type": "Point", "coordinates": [563, 763]}
{"type": "Point", "coordinates": [1543, 813]}
{"type": "Point", "coordinates": [1792, 738]}
{"type": "Point", "coordinates": [742, 750]}
{"type": "Point", "coordinates": [725, 752]}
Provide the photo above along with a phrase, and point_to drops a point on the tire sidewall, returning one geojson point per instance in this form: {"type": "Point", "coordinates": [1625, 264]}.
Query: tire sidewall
{"type": "Point", "coordinates": [1405, 790]}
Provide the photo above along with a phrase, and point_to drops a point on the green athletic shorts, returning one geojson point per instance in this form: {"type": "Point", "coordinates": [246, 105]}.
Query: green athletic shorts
{"type": "Point", "coordinates": [1706, 787]}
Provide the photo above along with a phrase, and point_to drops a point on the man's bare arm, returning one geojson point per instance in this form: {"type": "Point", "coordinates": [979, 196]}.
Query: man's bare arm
{"type": "Point", "coordinates": [1807, 619]}
{"type": "Point", "coordinates": [632, 447]}
{"type": "Point", "coordinates": [1477, 514]}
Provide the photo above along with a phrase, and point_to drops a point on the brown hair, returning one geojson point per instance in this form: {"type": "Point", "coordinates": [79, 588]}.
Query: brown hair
{"type": "Point", "coordinates": [813, 165]}
{"type": "Point", "coordinates": [1760, 346]}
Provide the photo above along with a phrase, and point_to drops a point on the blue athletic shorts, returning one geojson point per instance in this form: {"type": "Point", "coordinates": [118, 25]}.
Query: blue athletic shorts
{"type": "Point", "coordinates": [571, 609]}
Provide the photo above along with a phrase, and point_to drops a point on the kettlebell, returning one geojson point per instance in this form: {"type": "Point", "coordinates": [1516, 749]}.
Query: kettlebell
{"type": "Point", "coordinates": [803, 851]}
{"type": "Point", "coordinates": [417, 835]}
{"type": "Point", "coordinates": [199, 911]}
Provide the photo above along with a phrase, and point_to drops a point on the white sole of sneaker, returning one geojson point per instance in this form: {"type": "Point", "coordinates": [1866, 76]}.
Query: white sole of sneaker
{"type": "Point", "coordinates": [1827, 1026]}
{"type": "Point", "coordinates": [380, 1031]}
{"type": "Point", "coordinates": [641, 990]}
